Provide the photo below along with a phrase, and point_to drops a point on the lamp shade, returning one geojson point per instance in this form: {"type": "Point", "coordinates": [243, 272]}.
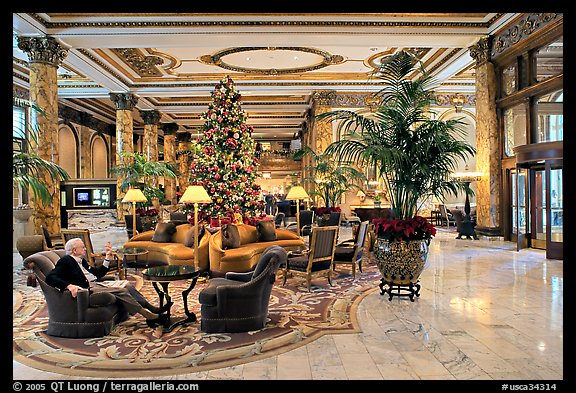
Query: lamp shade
{"type": "Point", "coordinates": [195, 194]}
{"type": "Point", "coordinates": [297, 192]}
{"type": "Point", "coordinates": [360, 194]}
{"type": "Point", "coordinates": [134, 195]}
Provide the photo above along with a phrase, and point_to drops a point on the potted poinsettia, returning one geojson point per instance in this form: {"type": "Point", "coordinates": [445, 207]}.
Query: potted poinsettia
{"type": "Point", "coordinates": [414, 155]}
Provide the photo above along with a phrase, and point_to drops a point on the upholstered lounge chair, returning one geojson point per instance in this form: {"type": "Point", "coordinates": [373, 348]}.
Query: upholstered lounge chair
{"type": "Point", "coordinates": [87, 315]}
{"type": "Point", "coordinates": [239, 302]}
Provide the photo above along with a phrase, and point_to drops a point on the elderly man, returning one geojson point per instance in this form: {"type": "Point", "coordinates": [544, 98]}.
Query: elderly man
{"type": "Point", "coordinates": [72, 272]}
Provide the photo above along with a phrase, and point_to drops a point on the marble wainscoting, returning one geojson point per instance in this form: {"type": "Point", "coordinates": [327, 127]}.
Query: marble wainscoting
{"type": "Point", "coordinates": [91, 219]}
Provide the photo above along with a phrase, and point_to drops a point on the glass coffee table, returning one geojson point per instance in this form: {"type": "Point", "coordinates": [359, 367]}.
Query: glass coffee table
{"type": "Point", "coordinates": [131, 252]}
{"type": "Point", "coordinates": [161, 277]}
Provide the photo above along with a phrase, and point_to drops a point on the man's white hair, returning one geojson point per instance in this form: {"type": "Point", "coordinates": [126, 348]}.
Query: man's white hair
{"type": "Point", "coordinates": [72, 243]}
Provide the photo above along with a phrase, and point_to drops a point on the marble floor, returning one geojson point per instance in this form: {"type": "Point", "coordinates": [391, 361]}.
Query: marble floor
{"type": "Point", "coordinates": [486, 312]}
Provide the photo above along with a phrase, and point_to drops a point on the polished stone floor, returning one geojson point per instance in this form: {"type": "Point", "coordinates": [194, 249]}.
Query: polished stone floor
{"type": "Point", "coordinates": [486, 312]}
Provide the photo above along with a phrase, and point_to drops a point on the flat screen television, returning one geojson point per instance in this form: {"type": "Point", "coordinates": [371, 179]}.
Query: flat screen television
{"type": "Point", "coordinates": [91, 197]}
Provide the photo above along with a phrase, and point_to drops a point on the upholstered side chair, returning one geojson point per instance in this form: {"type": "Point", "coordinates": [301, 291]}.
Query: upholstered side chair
{"type": "Point", "coordinates": [239, 302]}
{"type": "Point", "coordinates": [317, 259]}
{"type": "Point", "coordinates": [352, 251]}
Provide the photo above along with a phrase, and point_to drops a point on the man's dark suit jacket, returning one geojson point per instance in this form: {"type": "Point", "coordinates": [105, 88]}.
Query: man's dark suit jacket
{"type": "Point", "coordinates": [68, 272]}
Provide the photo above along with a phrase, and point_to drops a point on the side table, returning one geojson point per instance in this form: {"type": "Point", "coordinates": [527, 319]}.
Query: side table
{"type": "Point", "coordinates": [130, 252]}
{"type": "Point", "coordinates": [162, 276]}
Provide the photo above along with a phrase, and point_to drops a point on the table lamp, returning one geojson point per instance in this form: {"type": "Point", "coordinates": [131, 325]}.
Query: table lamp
{"type": "Point", "coordinates": [361, 196]}
{"type": "Point", "coordinates": [134, 195]}
{"type": "Point", "coordinates": [195, 195]}
{"type": "Point", "coordinates": [296, 193]}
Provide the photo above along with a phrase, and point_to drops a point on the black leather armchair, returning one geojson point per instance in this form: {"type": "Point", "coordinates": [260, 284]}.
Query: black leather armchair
{"type": "Point", "coordinates": [86, 315]}
{"type": "Point", "coordinates": [239, 302]}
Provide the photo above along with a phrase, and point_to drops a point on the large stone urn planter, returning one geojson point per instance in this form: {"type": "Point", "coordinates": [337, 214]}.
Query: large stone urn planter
{"type": "Point", "coordinates": [22, 215]}
{"type": "Point", "coordinates": [401, 263]}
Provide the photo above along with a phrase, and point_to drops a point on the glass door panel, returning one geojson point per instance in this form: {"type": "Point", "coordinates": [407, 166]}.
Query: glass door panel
{"type": "Point", "coordinates": [539, 213]}
{"type": "Point", "coordinates": [556, 205]}
{"type": "Point", "coordinates": [520, 204]}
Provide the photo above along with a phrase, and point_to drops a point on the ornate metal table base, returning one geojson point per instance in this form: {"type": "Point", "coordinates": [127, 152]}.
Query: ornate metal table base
{"type": "Point", "coordinates": [170, 322]}
{"type": "Point", "coordinates": [410, 290]}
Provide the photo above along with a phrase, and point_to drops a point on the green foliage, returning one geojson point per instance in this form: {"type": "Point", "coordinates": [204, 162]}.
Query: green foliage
{"type": "Point", "coordinates": [329, 180]}
{"type": "Point", "coordinates": [136, 169]}
{"type": "Point", "coordinates": [414, 155]}
{"type": "Point", "coordinates": [224, 160]}
{"type": "Point", "coordinates": [28, 169]}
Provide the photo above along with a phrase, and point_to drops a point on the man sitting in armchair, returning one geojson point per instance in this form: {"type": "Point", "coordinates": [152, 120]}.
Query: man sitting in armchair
{"type": "Point", "coordinates": [72, 272]}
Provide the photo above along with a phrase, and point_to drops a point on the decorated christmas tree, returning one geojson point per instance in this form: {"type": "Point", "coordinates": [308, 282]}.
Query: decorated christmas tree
{"type": "Point", "coordinates": [224, 159]}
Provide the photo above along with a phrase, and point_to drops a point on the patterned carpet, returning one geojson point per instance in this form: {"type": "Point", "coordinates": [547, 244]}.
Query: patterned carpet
{"type": "Point", "coordinates": [296, 317]}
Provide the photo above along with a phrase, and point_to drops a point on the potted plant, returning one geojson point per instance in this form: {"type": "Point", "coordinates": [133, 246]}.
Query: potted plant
{"type": "Point", "coordinates": [136, 169]}
{"type": "Point", "coordinates": [414, 154]}
{"type": "Point", "coordinates": [377, 200]}
{"type": "Point", "coordinates": [29, 169]}
{"type": "Point", "coordinates": [328, 179]}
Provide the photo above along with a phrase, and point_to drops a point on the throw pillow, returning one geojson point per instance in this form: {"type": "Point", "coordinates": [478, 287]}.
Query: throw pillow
{"type": "Point", "coordinates": [230, 236]}
{"type": "Point", "coordinates": [266, 230]}
{"type": "Point", "coordinates": [189, 240]}
{"type": "Point", "coordinates": [164, 232]}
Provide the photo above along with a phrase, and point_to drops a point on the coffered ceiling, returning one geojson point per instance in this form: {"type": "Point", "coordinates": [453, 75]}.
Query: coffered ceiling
{"type": "Point", "coordinates": [171, 61]}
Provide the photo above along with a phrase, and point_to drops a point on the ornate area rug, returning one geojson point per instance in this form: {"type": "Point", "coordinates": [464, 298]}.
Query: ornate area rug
{"type": "Point", "coordinates": [296, 317]}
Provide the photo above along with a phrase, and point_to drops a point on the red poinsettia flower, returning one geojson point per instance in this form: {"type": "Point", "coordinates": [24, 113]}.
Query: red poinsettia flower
{"type": "Point", "coordinates": [416, 228]}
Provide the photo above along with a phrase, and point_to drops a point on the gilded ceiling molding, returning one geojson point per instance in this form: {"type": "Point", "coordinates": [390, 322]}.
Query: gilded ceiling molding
{"type": "Point", "coordinates": [480, 51]}
{"type": "Point", "coordinates": [124, 101]}
{"type": "Point", "coordinates": [521, 31]}
{"type": "Point", "coordinates": [204, 24]}
{"type": "Point", "coordinates": [449, 99]}
{"type": "Point", "coordinates": [325, 97]}
{"type": "Point", "coordinates": [141, 64]}
{"type": "Point", "coordinates": [262, 84]}
{"type": "Point", "coordinates": [44, 50]}
{"type": "Point", "coordinates": [104, 66]}
{"type": "Point", "coordinates": [444, 60]}
{"type": "Point", "coordinates": [354, 100]}
{"type": "Point", "coordinates": [216, 59]}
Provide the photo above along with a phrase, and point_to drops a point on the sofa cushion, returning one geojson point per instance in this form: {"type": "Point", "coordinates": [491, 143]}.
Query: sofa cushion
{"type": "Point", "coordinates": [230, 236]}
{"type": "Point", "coordinates": [266, 230]}
{"type": "Point", "coordinates": [189, 239]}
{"type": "Point", "coordinates": [164, 232]}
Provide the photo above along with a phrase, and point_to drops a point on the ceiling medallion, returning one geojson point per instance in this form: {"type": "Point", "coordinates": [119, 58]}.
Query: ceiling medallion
{"type": "Point", "coordinates": [326, 60]}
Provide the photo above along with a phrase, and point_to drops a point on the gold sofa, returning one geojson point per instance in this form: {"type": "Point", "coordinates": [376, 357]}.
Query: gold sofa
{"type": "Point", "coordinates": [245, 257]}
{"type": "Point", "coordinates": [174, 252]}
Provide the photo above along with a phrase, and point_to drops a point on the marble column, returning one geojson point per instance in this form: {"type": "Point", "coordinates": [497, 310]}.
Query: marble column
{"type": "Point", "coordinates": [150, 146]}
{"type": "Point", "coordinates": [150, 139]}
{"type": "Point", "coordinates": [183, 157]}
{"type": "Point", "coordinates": [322, 131]}
{"type": "Point", "coordinates": [321, 135]}
{"type": "Point", "coordinates": [85, 154]}
{"type": "Point", "coordinates": [170, 130]}
{"type": "Point", "coordinates": [489, 187]}
{"type": "Point", "coordinates": [44, 56]}
{"type": "Point", "coordinates": [125, 103]}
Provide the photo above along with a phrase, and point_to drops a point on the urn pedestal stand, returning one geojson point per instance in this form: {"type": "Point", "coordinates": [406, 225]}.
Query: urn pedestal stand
{"type": "Point", "coordinates": [410, 290]}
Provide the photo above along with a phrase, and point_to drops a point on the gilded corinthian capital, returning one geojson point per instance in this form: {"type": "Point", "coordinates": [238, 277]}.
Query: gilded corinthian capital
{"type": "Point", "coordinates": [124, 101]}
{"type": "Point", "coordinates": [43, 50]}
{"type": "Point", "coordinates": [480, 51]}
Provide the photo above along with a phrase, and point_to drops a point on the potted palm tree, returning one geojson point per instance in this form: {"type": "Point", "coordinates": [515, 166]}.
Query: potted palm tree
{"type": "Point", "coordinates": [29, 169]}
{"type": "Point", "coordinates": [329, 180]}
{"type": "Point", "coordinates": [136, 170]}
{"type": "Point", "coordinates": [414, 155]}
